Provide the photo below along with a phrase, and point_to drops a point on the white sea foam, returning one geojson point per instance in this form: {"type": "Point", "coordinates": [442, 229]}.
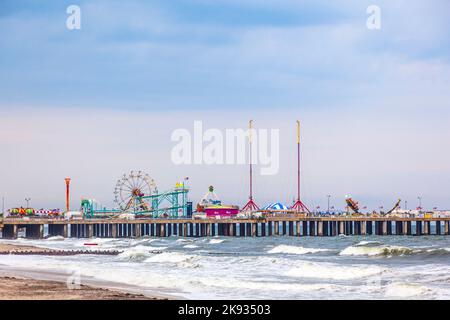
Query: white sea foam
{"type": "Point", "coordinates": [184, 240]}
{"type": "Point", "coordinates": [216, 241]}
{"type": "Point", "coordinates": [55, 238]}
{"type": "Point", "coordinates": [332, 271]}
{"type": "Point", "coordinates": [247, 284]}
{"type": "Point", "coordinates": [295, 250]}
{"type": "Point", "coordinates": [177, 258]}
{"type": "Point", "coordinates": [367, 243]}
{"type": "Point", "coordinates": [139, 252]}
{"type": "Point", "coordinates": [204, 274]}
{"type": "Point", "coordinates": [405, 290]}
{"type": "Point", "coordinates": [376, 251]}
{"type": "Point", "coordinates": [190, 246]}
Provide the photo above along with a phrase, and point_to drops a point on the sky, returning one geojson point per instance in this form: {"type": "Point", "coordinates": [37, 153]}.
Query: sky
{"type": "Point", "coordinates": [98, 102]}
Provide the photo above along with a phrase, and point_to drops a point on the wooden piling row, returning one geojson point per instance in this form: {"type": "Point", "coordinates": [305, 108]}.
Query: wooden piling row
{"type": "Point", "coordinates": [230, 228]}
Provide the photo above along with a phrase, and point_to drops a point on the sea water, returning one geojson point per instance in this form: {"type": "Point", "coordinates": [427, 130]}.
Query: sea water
{"type": "Point", "coordinates": [369, 267]}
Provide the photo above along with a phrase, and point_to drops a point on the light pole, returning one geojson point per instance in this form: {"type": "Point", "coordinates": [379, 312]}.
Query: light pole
{"type": "Point", "coordinates": [28, 202]}
{"type": "Point", "coordinates": [420, 203]}
{"type": "Point", "coordinates": [406, 204]}
{"type": "Point", "coordinates": [328, 196]}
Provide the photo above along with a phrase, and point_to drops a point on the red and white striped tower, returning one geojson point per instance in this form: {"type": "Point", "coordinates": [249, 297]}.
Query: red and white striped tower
{"type": "Point", "coordinates": [251, 205]}
{"type": "Point", "coordinates": [299, 206]}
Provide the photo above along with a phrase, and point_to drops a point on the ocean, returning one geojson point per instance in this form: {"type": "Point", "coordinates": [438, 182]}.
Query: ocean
{"type": "Point", "coordinates": [343, 267]}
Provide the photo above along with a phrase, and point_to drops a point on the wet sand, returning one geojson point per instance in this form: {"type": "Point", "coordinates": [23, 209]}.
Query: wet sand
{"type": "Point", "coordinates": [23, 285]}
{"type": "Point", "coordinates": [6, 248]}
{"type": "Point", "coordinates": [12, 288]}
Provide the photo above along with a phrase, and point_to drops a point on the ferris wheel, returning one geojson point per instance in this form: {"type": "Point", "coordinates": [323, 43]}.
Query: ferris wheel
{"type": "Point", "coordinates": [130, 190]}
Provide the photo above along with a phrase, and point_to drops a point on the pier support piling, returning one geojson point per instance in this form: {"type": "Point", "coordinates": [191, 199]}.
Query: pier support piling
{"type": "Point", "coordinates": [320, 228]}
{"type": "Point", "coordinates": [312, 228]}
{"type": "Point", "coordinates": [418, 228]}
{"type": "Point", "coordinates": [363, 225]}
{"type": "Point", "coordinates": [341, 227]}
{"type": "Point", "coordinates": [291, 228]}
{"type": "Point", "coordinates": [426, 227]}
{"type": "Point", "coordinates": [10, 231]}
{"type": "Point", "coordinates": [438, 228]}
{"type": "Point", "coordinates": [34, 231]}
{"type": "Point", "coordinates": [254, 230]}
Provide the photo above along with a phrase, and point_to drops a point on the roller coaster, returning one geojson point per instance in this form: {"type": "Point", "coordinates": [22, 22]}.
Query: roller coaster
{"type": "Point", "coordinates": [137, 194]}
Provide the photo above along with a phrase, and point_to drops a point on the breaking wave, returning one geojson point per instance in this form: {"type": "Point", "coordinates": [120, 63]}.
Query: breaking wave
{"type": "Point", "coordinates": [436, 251]}
{"type": "Point", "coordinates": [139, 252]}
{"type": "Point", "coordinates": [56, 238]}
{"type": "Point", "coordinates": [405, 290]}
{"type": "Point", "coordinates": [190, 246]}
{"type": "Point", "coordinates": [371, 249]}
{"type": "Point", "coordinates": [335, 272]}
{"type": "Point", "coordinates": [295, 250]}
{"type": "Point", "coordinates": [385, 251]}
{"type": "Point", "coordinates": [184, 240]}
{"type": "Point", "coordinates": [216, 241]}
{"type": "Point", "coordinates": [367, 243]}
{"type": "Point", "coordinates": [246, 284]}
{"type": "Point", "coordinates": [177, 258]}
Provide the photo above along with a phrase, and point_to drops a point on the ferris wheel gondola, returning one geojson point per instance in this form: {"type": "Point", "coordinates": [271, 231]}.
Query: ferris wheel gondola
{"type": "Point", "coordinates": [131, 189]}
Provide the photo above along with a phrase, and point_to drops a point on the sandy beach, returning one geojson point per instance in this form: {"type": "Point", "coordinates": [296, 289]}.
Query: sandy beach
{"type": "Point", "coordinates": [7, 248]}
{"type": "Point", "coordinates": [15, 285]}
{"type": "Point", "coordinates": [31, 289]}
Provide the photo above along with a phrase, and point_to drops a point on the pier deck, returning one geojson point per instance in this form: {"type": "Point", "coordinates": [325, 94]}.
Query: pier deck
{"type": "Point", "coordinates": [291, 225]}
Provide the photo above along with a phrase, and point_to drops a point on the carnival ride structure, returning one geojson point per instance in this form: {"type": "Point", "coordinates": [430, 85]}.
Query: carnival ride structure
{"type": "Point", "coordinates": [299, 206]}
{"type": "Point", "coordinates": [136, 193]}
{"type": "Point", "coordinates": [212, 206]}
{"type": "Point", "coordinates": [18, 212]}
{"type": "Point", "coordinates": [396, 206]}
{"type": "Point", "coordinates": [353, 205]}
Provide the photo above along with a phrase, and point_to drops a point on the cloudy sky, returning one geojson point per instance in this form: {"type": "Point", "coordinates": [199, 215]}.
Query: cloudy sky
{"type": "Point", "coordinates": [95, 103]}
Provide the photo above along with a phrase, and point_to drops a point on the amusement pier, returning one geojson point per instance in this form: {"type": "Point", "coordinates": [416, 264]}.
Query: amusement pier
{"type": "Point", "coordinates": [290, 225]}
{"type": "Point", "coordinates": [142, 210]}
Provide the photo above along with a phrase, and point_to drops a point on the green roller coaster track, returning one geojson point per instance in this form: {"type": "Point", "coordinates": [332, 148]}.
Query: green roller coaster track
{"type": "Point", "coordinates": [169, 204]}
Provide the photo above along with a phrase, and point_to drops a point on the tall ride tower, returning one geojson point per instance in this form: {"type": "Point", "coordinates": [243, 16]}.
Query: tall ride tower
{"type": "Point", "coordinates": [299, 206]}
{"type": "Point", "coordinates": [251, 205]}
{"type": "Point", "coordinates": [67, 194]}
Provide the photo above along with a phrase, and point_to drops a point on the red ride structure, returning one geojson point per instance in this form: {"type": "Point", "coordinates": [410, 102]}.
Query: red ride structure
{"type": "Point", "coordinates": [251, 205]}
{"type": "Point", "coordinates": [67, 194]}
{"type": "Point", "coordinates": [299, 206]}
